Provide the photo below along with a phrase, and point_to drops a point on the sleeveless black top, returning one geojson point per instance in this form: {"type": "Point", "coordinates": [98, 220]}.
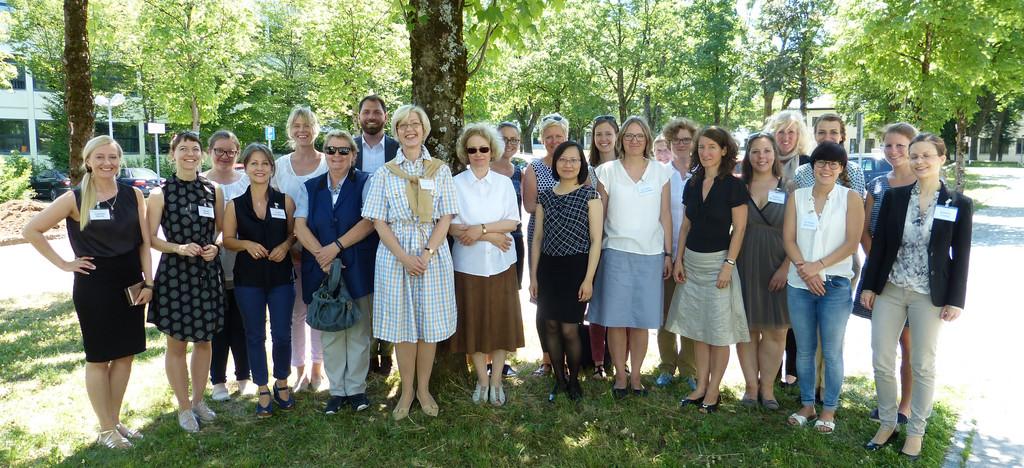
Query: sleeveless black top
{"type": "Point", "coordinates": [112, 237]}
{"type": "Point", "coordinates": [268, 232]}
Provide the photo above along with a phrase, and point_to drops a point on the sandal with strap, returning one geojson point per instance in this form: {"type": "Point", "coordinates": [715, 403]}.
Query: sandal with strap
{"type": "Point", "coordinates": [113, 440]}
{"type": "Point", "coordinates": [829, 426]}
{"type": "Point", "coordinates": [797, 420]}
{"type": "Point", "coordinates": [127, 432]}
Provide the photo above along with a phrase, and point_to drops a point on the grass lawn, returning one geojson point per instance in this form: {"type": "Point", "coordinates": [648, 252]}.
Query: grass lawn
{"type": "Point", "coordinates": [46, 420]}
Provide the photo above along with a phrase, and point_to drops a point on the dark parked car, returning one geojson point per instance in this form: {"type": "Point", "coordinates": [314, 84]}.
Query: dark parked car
{"type": "Point", "coordinates": [50, 183]}
{"type": "Point", "coordinates": [873, 165]}
{"type": "Point", "coordinates": [140, 177]}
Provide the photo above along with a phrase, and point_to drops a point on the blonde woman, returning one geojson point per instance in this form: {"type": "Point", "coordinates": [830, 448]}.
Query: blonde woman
{"type": "Point", "coordinates": [411, 201]}
{"type": "Point", "coordinates": [293, 170]}
{"type": "Point", "coordinates": [106, 225]}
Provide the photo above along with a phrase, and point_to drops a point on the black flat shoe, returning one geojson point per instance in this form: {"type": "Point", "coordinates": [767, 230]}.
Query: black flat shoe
{"type": "Point", "coordinates": [555, 390]}
{"type": "Point", "coordinates": [871, 446]}
{"type": "Point", "coordinates": [640, 392]}
{"type": "Point", "coordinates": [575, 392]}
{"type": "Point", "coordinates": [620, 393]}
{"type": "Point", "coordinates": [687, 402]}
{"type": "Point", "coordinates": [708, 409]}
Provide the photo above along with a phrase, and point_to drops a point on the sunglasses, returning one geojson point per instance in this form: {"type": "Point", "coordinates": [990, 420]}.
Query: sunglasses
{"type": "Point", "coordinates": [604, 118]}
{"type": "Point", "coordinates": [554, 117]}
{"type": "Point", "coordinates": [332, 150]}
{"type": "Point", "coordinates": [482, 150]}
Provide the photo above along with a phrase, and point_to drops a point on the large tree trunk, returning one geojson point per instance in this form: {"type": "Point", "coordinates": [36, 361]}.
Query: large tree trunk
{"type": "Point", "coordinates": [768, 98]}
{"type": "Point", "coordinates": [439, 74]}
{"type": "Point", "coordinates": [961, 149]}
{"type": "Point", "coordinates": [195, 114]}
{"type": "Point", "coordinates": [78, 83]}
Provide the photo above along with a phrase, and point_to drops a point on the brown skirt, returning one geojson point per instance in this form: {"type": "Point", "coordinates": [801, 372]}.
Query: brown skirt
{"type": "Point", "coordinates": [490, 317]}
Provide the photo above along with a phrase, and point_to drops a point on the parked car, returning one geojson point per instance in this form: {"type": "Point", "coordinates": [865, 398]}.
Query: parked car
{"type": "Point", "coordinates": [140, 177]}
{"type": "Point", "coordinates": [873, 164]}
{"type": "Point", "coordinates": [50, 183]}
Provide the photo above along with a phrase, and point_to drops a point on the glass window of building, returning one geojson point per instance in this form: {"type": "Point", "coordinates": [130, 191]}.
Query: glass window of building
{"type": "Point", "coordinates": [13, 136]}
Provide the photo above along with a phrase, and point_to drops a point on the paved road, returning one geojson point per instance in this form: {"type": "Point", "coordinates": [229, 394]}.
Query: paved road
{"type": "Point", "coordinates": [979, 353]}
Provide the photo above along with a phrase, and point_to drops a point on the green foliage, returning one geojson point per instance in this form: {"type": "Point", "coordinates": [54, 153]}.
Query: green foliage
{"type": "Point", "coordinates": [15, 171]}
{"type": "Point", "coordinates": [720, 89]}
{"type": "Point", "coordinates": [59, 147]}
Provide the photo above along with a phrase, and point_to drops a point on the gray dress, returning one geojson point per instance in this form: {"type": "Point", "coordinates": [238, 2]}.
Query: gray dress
{"type": "Point", "coordinates": [760, 257]}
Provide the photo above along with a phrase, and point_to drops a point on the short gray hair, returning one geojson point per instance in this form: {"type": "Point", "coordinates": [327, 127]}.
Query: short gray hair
{"type": "Point", "coordinates": [403, 113]}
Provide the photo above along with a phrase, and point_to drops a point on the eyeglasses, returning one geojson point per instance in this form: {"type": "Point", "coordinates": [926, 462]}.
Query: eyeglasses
{"type": "Point", "coordinates": [482, 150]}
{"type": "Point", "coordinates": [409, 125]}
{"type": "Point", "coordinates": [681, 141]}
{"type": "Point", "coordinates": [332, 150]}
{"type": "Point", "coordinates": [829, 164]}
{"type": "Point", "coordinates": [569, 162]}
{"type": "Point", "coordinates": [221, 153]}
{"type": "Point", "coordinates": [512, 141]}
{"type": "Point", "coordinates": [633, 136]}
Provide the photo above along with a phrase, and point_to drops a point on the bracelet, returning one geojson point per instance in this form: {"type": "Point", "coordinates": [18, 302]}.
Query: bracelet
{"type": "Point", "coordinates": [147, 286]}
{"type": "Point", "coordinates": [668, 255]}
{"type": "Point", "coordinates": [337, 243]}
{"type": "Point", "coordinates": [730, 261]}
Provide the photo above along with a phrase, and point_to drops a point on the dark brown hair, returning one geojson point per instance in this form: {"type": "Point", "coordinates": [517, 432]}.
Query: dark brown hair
{"type": "Point", "coordinates": [595, 155]}
{"type": "Point", "coordinates": [724, 139]}
{"type": "Point", "coordinates": [748, 169]}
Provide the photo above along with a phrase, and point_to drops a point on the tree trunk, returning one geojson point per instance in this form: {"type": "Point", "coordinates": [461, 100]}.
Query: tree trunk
{"type": "Point", "coordinates": [961, 148]}
{"type": "Point", "coordinates": [768, 98]}
{"type": "Point", "coordinates": [803, 84]}
{"type": "Point", "coordinates": [996, 153]}
{"type": "Point", "coordinates": [439, 74]}
{"type": "Point", "coordinates": [78, 83]}
{"type": "Point", "coordinates": [195, 114]}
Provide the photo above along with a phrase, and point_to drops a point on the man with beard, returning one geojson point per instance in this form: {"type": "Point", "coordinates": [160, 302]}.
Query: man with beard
{"type": "Point", "coordinates": [374, 147]}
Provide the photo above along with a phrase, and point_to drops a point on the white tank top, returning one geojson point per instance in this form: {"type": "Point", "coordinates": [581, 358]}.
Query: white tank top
{"type": "Point", "coordinates": [817, 236]}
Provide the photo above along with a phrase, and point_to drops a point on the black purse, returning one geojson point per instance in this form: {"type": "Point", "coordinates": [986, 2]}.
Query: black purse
{"type": "Point", "coordinates": [332, 308]}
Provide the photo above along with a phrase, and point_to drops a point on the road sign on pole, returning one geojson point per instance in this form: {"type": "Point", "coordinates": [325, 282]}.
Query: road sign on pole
{"type": "Point", "coordinates": [156, 129]}
{"type": "Point", "coordinates": [269, 134]}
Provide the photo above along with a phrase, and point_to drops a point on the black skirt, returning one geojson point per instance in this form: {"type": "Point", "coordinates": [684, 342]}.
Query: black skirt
{"type": "Point", "coordinates": [558, 286]}
{"type": "Point", "coordinates": [111, 327]}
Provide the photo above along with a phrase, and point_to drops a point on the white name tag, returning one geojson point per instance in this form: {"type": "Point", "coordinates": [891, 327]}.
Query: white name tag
{"type": "Point", "coordinates": [809, 222]}
{"type": "Point", "coordinates": [427, 184]}
{"type": "Point", "coordinates": [99, 213]}
{"type": "Point", "coordinates": [946, 213]}
{"type": "Point", "coordinates": [277, 213]}
{"type": "Point", "coordinates": [644, 189]}
{"type": "Point", "coordinates": [206, 211]}
{"type": "Point", "coordinates": [777, 196]}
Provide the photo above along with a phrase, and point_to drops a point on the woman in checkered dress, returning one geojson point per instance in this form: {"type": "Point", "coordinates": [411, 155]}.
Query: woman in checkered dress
{"type": "Point", "coordinates": [411, 201]}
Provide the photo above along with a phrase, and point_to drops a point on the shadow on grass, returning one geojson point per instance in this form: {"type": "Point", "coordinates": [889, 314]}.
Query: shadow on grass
{"type": "Point", "coordinates": [41, 340]}
{"type": "Point", "coordinates": [599, 431]}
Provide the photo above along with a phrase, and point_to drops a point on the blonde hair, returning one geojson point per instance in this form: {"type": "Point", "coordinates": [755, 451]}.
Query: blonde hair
{"type": "Point", "coordinates": [403, 113]}
{"type": "Point", "coordinates": [648, 137]}
{"type": "Point", "coordinates": [486, 131]}
{"type": "Point", "coordinates": [304, 113]}
{"type": "Point", "coordinates": [87, 188]}
{"type": "Point", "coordinates": [784, 119]}
{"type": "Point", "coordinates": [552, 120]}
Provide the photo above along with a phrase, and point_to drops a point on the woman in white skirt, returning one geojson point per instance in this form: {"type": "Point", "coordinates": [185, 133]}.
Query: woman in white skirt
{"type": "Point", "coordinates": [708, 305]}
{"type": "Point", "coordinates": [636, 256]}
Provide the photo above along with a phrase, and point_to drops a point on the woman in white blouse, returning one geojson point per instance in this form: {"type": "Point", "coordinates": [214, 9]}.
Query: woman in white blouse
{"type": "Point", "coordinates": [821, 232]}
{"type": "Point", "coordinates": [490, 320]}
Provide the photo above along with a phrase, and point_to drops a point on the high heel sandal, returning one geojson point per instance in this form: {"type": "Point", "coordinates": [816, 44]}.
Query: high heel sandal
{"type": "Point", "coordinates": [113, 439]}
{"type": "Point", "coordinates": [264, 411]}
{"type": "Point", "coordinates": [872, 446]}
{"type": "Point", "coordinates": [691, 401]}
{"type": "Point", "coordinates": [282, 403]}
{"type": "Point", "coordinates": [127, 432]}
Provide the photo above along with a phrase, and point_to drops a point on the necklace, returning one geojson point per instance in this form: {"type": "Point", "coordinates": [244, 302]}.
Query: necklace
{"type": "Point", "coordinates": [110, 205]}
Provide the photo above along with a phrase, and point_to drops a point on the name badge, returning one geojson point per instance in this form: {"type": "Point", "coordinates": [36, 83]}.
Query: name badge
{"type": "Point", "coordinates": [206, 211]}
{"type": "Point", "coordinates": [809, 222]}
{"type": "Point", "coordinates": [644, 189]}
{"type": "Point", "coordinates": [777, 196]}
{"type": "Point", "coordinates": [277, 213]}
{"type": "Point", "coordinates": [946, 213]}
{"type": "Point", "coordinates": [427, 184]}
{"type": "Point", "coordinates": [99, 213]}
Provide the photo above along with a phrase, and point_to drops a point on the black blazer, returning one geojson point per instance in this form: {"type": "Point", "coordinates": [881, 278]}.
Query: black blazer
{"type": "Point", "coordinates": [949, 249]}
{"type": "Point", "coordinates": [390, 150]}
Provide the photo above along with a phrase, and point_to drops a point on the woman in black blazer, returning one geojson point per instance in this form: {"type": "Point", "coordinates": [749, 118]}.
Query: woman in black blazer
{"type": "Point", "coordinates": [917, 270]}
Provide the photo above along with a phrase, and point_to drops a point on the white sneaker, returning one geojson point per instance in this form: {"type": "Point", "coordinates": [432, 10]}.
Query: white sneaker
{"type": "Point", "coordinates": [220, 392]}
{"type": "Point", "coordinates": [203, 412]}
{"type": "Point", "coordinates": [246, 388]}
{"type": "Point", "coordinates": [187, 421]}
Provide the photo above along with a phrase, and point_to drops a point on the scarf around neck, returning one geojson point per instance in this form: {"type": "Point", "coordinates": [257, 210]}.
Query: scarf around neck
{"type": "Point", "coordinates": [421, 201]}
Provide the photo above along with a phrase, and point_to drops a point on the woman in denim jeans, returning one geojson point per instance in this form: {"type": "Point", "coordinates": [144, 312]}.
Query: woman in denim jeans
{"type": "Point", "coordinates": [821, 232]}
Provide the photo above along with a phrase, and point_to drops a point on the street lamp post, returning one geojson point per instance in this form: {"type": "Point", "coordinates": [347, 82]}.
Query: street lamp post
{"type": "Point", "coordinates": [110, 104]}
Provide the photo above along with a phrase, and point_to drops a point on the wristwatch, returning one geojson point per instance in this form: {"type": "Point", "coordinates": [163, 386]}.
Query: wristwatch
{"type": "Point", "coordinates": [429, 250]}
{"type": "Point", "coordinates": [484, 227]}
{"type": "Point", "coordinates": [730, 261]}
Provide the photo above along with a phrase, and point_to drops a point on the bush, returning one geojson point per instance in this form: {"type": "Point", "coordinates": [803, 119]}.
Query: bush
{"type": "Point", "coordinates": [15, 171]}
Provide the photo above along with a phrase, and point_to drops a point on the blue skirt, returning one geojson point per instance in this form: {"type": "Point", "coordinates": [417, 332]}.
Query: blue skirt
{"type": "Point", "coordinates": [628, 290]}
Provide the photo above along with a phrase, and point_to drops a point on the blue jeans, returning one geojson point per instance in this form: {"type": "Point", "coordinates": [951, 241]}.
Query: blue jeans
{"type": "Point", "coordinates": [826, 316]}
{"type": "Point", "coordinates": [253, 302]}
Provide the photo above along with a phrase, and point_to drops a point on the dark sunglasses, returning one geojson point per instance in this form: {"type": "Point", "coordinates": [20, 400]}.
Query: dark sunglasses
{"type": "Point", "coordinates": [556, 118]}
{"type": "Point", "coordinates": [482, 150]}
{"type": "Point", "coordinates": [604, 118]}
{"type": "Point", "coordinates": [344, 150]}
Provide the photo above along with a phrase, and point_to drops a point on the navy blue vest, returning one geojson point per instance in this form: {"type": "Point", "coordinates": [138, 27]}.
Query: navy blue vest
{"type": "Point", "coordinates": [328, 223]}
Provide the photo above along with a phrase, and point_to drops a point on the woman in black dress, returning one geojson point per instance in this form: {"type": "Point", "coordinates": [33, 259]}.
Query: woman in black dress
{"type": "Point", "coordinates": [106, 227]}
{"type": "Point", "coordinates": [188, 300]}
{"type": "Point", "coordinates": [563, 261]}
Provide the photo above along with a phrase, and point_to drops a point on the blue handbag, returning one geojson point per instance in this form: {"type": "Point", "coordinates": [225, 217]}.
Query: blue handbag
{"type": "Point", "coordinates": [332, 308]}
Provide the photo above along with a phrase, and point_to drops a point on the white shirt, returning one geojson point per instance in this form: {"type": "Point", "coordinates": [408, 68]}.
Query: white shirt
{"type": "Point", "coordinates": [817, 236]}
{"type": "Point", "coordinates": [373, 156]}
{"type": "Point", "coordinates": [481, 201]}
{"type": "Point", "coordinates": [302, 202]}
{"type": "Point", "coordinates": [285, 180]}
{"type": "Point", "coordinates": [675, 202]}
{"type": "Point", "coordinates": [634, 208]}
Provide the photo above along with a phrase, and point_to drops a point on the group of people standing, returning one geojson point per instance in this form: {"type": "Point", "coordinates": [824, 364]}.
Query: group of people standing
{"type": "Point", "coordinates": [637, 234]}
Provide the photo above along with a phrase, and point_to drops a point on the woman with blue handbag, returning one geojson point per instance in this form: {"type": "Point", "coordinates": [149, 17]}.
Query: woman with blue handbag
{"type": "Point", "coordinates": [258, 225]}
{"type": "Point", "coordinates": [329, 224]}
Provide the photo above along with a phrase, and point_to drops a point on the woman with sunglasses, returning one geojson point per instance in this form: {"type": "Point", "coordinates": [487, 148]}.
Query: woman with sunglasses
{"type": "Point", "coordinates": [490, 322]}
{"type": "Point", "coordinates": [821, 232]}
{"type": "Point", "coordinates": [329, 224]}
{"type": "Point", "coordinates": [554, 130]}
{"type": "Point", "coordinates": [602, 149]}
